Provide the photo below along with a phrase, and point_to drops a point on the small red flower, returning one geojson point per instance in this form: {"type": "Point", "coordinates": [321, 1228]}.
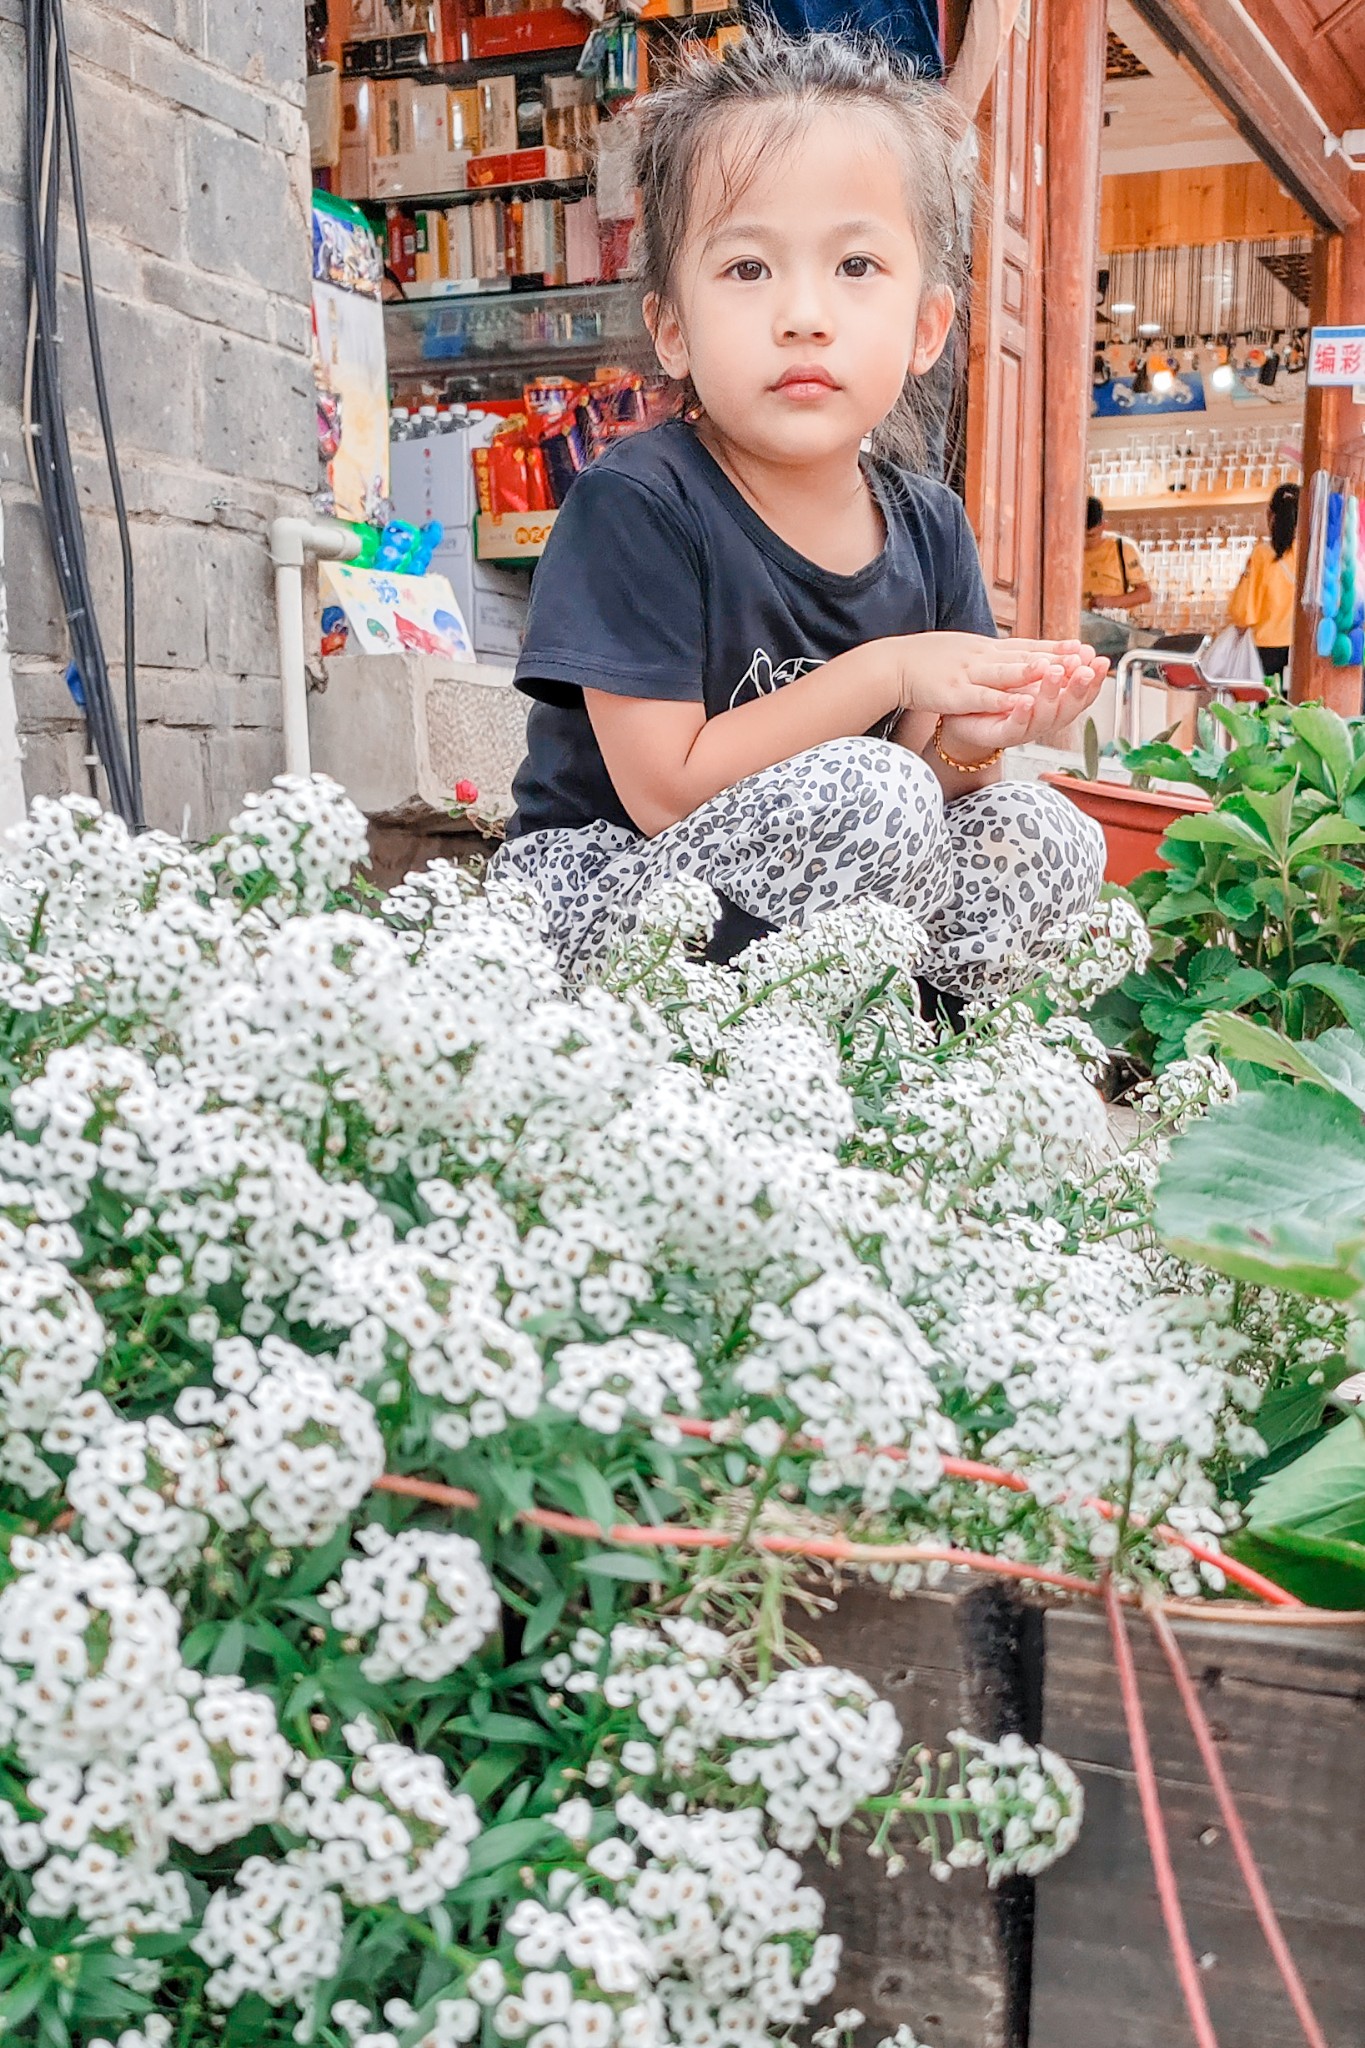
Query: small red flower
{"type": "Point", "coordinates": [466, 793]}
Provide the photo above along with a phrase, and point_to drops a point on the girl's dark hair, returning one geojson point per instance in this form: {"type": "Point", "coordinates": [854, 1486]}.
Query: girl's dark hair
{"type": "Point", "coordinates": [1284, 518]}
{"type": "Point", "coordinates": [784, 81]}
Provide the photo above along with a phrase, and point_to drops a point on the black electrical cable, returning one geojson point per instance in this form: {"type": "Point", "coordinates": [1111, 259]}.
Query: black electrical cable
{"type": "Point", "coordinates": [49, 99]}
{"type": "Point", "coordinates": [92, 329]}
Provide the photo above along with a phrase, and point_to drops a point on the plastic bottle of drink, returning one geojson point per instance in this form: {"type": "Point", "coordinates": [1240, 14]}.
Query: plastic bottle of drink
{"type": "Point", "coordinates": [426, 422]}
{"type": "Point", "coordinates": [400, 424]}
{"type": "Point", "coordinates": [445, 419]}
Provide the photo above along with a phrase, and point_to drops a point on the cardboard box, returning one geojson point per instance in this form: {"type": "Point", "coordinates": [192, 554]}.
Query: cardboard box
{"type": "Point", "coordinates": [497, 115]}
{"type": "Point", "coordinates": [413, 150]}
{"type": "Point", "coordinates": [520, 167]}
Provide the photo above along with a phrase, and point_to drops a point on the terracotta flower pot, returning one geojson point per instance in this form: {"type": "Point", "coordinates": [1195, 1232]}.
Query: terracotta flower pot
{"type": "Point", "coordinates": [1134, 821]}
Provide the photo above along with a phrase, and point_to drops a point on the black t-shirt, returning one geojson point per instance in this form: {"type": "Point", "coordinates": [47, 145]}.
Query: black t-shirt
{"type": "Point", "coordinates": [660, 580]}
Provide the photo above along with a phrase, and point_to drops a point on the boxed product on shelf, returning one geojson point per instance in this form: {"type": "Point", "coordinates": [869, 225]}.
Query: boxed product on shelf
{"type": "Point", "coordinates": [521, 167]}
{"type": "Point", "coordinates": [524, 31]}
{"type": "Point", "coordinates": [400, 136]}
{"type": "Point", "coordinates": [497, 114]}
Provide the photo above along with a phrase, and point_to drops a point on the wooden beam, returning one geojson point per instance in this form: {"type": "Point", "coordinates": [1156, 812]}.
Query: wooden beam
{"type": "Point", "coordinates": [1220, 42]}
{"type": "Point", "coordinates": [1215, 203]}
{"type": "Point", "coordinates": [1333, 439]}
{"type": "Point", "coordinates": [1075, 121]}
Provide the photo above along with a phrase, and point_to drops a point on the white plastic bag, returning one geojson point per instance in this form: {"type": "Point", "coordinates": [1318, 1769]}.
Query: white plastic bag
{"type": "Point", "coordinates": [1231, 657]}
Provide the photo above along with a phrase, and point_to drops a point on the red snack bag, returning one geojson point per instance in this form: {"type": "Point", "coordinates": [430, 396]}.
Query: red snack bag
{"type": "Point", "coordinates": [537, 482]}
{"type": "Point", "coordinates": [507, 478]}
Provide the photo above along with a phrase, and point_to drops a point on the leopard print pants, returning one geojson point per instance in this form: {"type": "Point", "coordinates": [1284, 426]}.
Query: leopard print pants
{"type": "Point", "coordinates": [995, 876]}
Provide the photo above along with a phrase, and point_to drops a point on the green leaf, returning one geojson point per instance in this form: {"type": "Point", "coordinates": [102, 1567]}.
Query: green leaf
{"type": "Point", "coordinates": [1330, 738]}
{"type": "Point", "coordinates": [1216, 828]}
{"type": "Point", "coordinates": [543, 1618]}
{"type": "Point", "coordinates": [1090, 749]}
{"type": "Point", "coordinates": [1339, 1057]}
{"type": "Point", "coordinates": [511, 1842]}
{"type": "Point", "coordinates": [225, 1658]}
{"type": "Point", "coordinates": [1271, 1188]}
{"type": "Point", "coordinates": [1321, 1493]}
{"type": "Point", "coordinates": [1325, 1571]}
{"type": "Point", "coordinates": [1341, 986]}
{"type": "Point", "coordinates": [1296, 1409]}
{"type": "Point", "coordinates": [625, 1564]}
{"type": "Point", "coordinates": [599, 1502]}
{"type": "Point", "coordinates": [1240, 1038]}
{"type": "Point", "coordinates": [488, 1772]}
{"type": "Point", "coordinates": [504, 1728]}
{"type": "Point", "coordinates": [1274, 809]}
{"type": "Point", "coordinates": [1332, 830]}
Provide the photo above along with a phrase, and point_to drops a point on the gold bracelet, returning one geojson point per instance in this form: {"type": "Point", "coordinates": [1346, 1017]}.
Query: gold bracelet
{"type": "Point", "coordinates": [963, 767]}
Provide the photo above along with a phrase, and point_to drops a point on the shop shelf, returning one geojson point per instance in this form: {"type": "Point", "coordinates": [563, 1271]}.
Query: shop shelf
{"type": "Point", "coordinates": [523, 331]}
{"type": "Point", "coordinates": [1188, 501]}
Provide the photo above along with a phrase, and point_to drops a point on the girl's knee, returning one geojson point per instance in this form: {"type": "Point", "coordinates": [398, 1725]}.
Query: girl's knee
{"type": "Point", "coordinates": [1034, 845]}
{"type": "Point", "coordinates": [866, 783]}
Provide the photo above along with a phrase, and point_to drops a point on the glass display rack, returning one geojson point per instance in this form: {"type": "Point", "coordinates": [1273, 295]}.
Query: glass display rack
{"type": "Point", "coordinates": [517, 333]}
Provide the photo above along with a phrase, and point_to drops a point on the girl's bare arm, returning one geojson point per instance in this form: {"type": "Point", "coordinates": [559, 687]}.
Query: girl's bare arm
{"type": "Point", "coordinates": [666, 759]}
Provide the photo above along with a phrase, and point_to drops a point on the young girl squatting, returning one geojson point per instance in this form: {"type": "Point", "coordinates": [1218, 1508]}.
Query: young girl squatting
{"type": "Point", "coordinates": [758, 657]}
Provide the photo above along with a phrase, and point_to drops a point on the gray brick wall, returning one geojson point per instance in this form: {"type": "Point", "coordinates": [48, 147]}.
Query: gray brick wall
{"type": "Point", "coordinates": [196, 168]}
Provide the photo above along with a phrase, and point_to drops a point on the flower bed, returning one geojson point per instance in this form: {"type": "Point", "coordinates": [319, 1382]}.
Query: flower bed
{"type": "Point", "coordinates": [382, 1662]}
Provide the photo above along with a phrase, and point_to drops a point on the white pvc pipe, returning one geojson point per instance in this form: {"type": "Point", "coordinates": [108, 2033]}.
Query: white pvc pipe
{"type": "Point", "coordinates": [292, 541]}
{"type": "Point", "coordinates": [13, 807]}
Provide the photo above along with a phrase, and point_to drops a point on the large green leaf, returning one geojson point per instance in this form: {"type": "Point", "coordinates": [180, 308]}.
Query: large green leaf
{"type": "Point", "coordinates": [1333, 830]}
{"type": "Point", "coordinates": [1341, 985]}
{"type": "Point", "coordinates": [1216, 828]}
{"type": "Point", "coordinates": [1330, 738]}
{"type": "Point", "coordinates": [1322, 1493]}
{"type": "Point", "coordinates": [1325, 1571]}
{"type": "Point", "coordinates": [1241, 1038]}
{"type": "Point", "coordinates": [1271, 1188]}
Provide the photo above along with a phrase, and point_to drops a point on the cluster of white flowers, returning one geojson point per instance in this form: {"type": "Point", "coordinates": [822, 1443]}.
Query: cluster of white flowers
{"type": "Point", "coordinates": [809, 1744]}
{"type": "Point", "coordinates": [390, 1829]}
{"type": "Point", "coordinates": [283, 1448]}
{"type": "Point", "coordinates": [51, 1338]}
{"type": "Point", "coordinates": [422, 1599]}
{"type": "Point", "coordinates": [295, 844]}
{"type": "Point", "coordinates": [1183, 1090]}
{"type": "Point", "coordinates": [1006, 1120]}
{"type": "Point", "coordinates": [851, 1367]}
{"type": "Point", "coordinates": [349, 1178]}
{"type": "Point", "coordinates": [1105, 946]}
{"type": "Point", "coordinates": [642, 1375]}
{"type": "Point", "coordinates": [1025, 1805]}
{"type": "Point", "coordinates": [732, 1934]}
{"type": "Point", "coordinates": [86, 1655]}
{"type": "Point", "coordinates": [275, 1931]}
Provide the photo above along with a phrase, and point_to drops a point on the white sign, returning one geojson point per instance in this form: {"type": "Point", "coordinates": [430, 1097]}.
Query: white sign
{"type": "Point", "coordinates": [1336, 355]}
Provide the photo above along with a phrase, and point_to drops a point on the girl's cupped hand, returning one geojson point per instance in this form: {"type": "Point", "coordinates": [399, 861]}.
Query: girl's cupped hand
{"type": "Point", "coordinates": [1037, 716]}
{"type": "Point", "coordinates": [956, 674]}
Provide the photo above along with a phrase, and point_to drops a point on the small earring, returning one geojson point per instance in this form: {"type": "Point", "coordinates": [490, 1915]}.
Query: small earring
{"type": "Point", "coordinates": [694, 412]}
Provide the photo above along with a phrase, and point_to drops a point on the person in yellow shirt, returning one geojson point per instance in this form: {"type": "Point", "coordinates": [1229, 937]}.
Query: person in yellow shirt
{"type": "Point", "coordinates": [1263, 602]}
{"type": "Point", "coordinates": [1113, 582]}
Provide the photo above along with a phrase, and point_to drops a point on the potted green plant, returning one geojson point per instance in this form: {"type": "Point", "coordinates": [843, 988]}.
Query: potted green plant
{"type": "Point", "coordinates": [1133, 816]}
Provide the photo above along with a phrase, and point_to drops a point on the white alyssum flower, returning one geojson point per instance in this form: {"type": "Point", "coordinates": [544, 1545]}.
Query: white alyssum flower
{"type": "Point", "coordinates": [641, 1375]}
{"type": "Point", "coordinates": [390, 1828]}
{"type": "Point", "coordinates": [274, 1931]}
{"type": "Point", "coordinates": [422, 1599]}
{"type": "Point", "coordinates": [87, 1655]}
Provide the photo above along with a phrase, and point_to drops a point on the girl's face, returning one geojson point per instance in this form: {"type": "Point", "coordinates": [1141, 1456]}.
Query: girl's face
{"type": "Point", "coordinates": [798, 304]}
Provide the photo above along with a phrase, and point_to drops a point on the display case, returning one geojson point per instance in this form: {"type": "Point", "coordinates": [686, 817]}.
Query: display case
{"type": "Point", "coordinates": [491, 339]}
